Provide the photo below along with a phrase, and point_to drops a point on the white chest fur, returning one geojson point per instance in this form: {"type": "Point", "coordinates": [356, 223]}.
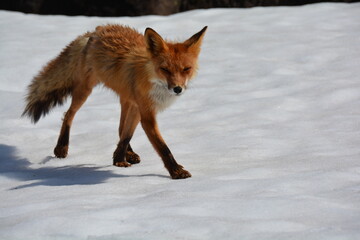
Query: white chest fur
{"type": "Point", "coordinates": [161, 96]}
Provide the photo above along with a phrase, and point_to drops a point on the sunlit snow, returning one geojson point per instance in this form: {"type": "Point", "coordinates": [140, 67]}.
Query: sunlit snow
{"type": "Point", "coordinates": [270, 130]}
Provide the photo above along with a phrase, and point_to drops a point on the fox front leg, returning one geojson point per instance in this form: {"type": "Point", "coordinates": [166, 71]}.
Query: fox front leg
{"type": "Point", "coordinates": [176, 171]}
{"type": "Point", "coordinates": [124, 156]}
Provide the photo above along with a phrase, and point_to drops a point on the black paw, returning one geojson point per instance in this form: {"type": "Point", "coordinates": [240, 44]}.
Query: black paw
{"type": "Point", "coordinates": [132, 157]}
{"type": "Point", "coordinates": [180, 173]}
{"type": "Point", "coordinates": [61, 151]}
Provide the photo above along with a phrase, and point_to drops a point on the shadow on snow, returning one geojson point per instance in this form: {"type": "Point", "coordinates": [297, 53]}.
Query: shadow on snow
{"type": "Point", "coordinates": [15, 167]}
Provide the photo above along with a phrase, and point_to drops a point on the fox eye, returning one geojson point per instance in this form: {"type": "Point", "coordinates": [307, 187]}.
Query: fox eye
{"type": "Point", "coordinates": [186, 69]}
{"type": "Point", "coordinates": [165, 70]}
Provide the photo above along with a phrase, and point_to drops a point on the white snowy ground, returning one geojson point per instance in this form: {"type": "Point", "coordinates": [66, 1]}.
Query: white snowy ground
{"type": "Point", "coordinates": [270, 132]}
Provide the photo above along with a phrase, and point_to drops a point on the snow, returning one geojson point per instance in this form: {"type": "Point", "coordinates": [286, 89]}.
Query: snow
{"type": "Point", "coordinates": [270, 131]}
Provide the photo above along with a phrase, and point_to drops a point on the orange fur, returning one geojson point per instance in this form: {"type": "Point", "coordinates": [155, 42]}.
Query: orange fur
{"type": "Point", "coordinates": [147, 73]}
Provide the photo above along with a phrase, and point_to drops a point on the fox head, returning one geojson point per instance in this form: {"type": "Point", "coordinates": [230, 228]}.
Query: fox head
{"type": "Point", "coordinates": [174, 63]}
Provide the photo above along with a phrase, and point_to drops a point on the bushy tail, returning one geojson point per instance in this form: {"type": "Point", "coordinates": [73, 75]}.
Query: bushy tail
{"type": "Point", "coordinates": [55, 82]}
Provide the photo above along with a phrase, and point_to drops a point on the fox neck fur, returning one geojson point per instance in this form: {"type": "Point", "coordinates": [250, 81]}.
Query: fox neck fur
{"type": "Point", "coordinates": [161, 95]}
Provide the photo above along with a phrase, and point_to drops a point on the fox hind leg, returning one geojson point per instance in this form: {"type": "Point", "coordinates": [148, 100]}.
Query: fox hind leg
{"type": "Point", "coordinates": [79, 96]}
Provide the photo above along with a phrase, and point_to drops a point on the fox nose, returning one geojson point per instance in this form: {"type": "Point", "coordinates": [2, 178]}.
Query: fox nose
{"type": "Point", "coordinates": [177, 89]}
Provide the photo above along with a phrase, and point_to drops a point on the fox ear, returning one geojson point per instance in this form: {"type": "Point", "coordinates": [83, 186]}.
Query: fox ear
{"type": "Point", "coordinates": [154, 42]}
{"type": "Point", "coordinates": [195, 41]}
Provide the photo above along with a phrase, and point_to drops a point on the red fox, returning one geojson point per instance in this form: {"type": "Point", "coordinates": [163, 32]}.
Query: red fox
{"type": "Point", "coordinates": [147, 72]}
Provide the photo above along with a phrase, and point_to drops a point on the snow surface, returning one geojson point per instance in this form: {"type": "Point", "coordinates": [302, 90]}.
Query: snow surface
{"type": "Point", "coordinates": [270, 132]}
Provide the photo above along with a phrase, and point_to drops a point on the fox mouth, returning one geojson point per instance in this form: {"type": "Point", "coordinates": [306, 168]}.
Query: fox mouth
{"type": "Point", "coordinates": [173, 90]}
{"type": "Point", "coordinates": [177, 90]}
